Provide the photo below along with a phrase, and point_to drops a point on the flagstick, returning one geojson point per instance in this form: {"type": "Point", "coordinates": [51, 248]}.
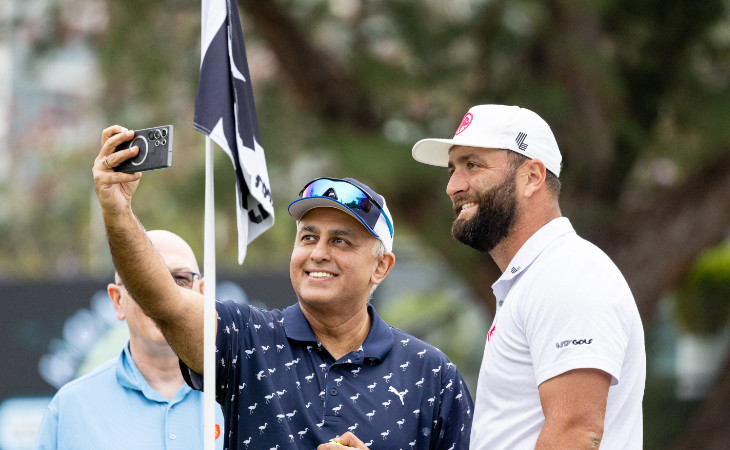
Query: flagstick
{"type": "Point", "coordinates": [209, 315]}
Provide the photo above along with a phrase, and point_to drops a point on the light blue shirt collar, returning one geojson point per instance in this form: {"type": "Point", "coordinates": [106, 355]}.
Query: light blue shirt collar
{"type": "Point", "coordinates": [129, 376]}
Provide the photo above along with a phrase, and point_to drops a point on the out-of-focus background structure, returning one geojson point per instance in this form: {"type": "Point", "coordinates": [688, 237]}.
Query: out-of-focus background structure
{"type": "Point", "coordinates": [637, 93]}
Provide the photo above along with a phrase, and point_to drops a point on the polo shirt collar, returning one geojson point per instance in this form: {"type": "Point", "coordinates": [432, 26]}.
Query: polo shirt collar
{"type": "Point", "coordinates": [380, 338]}
{"type": "Point", "coordinates": [296, 325]}
{"type": "Point", "coordinates": [129, 376]}
{"type": "Point", "coordinates": [377, 345]}
{"type": "Point", "coordinates": [529, 251]}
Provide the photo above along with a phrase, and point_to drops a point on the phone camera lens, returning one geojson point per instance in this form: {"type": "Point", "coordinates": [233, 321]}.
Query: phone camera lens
{"type": "Point", "coordinates": [164, 132]}
{"type": "Point", "coordinates": [157, 134]}
{"type": "Point", "coordinates": [164, 142]}
{"type": "Point", "coordinates": [151, 135]}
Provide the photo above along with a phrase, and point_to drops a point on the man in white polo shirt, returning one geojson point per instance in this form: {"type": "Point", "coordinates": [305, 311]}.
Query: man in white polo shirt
{"type": "Point", "coordinates": [564, 363]}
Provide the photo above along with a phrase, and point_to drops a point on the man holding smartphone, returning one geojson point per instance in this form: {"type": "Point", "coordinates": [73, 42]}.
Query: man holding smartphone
{"type": "Point", "coordinates": [321, 368]}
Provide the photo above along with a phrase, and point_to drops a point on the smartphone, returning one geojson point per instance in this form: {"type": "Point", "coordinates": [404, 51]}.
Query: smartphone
{"type": "Point", "coordinates": [155, 150]}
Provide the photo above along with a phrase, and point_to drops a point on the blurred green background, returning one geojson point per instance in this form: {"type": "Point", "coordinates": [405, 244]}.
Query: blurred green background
{"type": "Point", "coordinates": [637, 93]}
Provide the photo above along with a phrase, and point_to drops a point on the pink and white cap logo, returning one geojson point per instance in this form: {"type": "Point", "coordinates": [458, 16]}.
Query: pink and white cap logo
{"type": "Point", "coordinates": [465, 122]}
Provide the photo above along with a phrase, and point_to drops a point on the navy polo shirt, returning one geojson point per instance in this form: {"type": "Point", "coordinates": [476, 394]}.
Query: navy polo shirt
{"type": "Point", "coordinates": [278, 386]}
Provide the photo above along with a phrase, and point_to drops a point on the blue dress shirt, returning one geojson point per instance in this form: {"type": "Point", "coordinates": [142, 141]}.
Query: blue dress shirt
{"type": "Point", "coordinates": [113, 407]}
{"type": "Point", "coordinates": [279, 388]}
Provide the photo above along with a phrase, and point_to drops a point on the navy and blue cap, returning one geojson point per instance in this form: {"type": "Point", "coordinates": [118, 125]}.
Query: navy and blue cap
{"type": "Point", "coordinates": [352, 197]}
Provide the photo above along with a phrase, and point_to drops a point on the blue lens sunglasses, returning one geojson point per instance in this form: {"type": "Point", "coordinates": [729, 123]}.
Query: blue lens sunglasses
{"type": "Point", "coordinates": [348, 195]}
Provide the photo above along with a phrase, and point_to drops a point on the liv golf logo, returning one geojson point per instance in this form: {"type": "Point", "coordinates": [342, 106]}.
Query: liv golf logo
{"type": "Point", "coordinates": [564, 344]}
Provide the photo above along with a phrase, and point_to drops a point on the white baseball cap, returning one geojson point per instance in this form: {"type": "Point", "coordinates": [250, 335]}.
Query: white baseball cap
{"type": "Point", "coordinates": [496, 126]}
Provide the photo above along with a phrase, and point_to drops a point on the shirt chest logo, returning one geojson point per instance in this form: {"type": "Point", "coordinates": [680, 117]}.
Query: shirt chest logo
{"type": "Point", "coordinates": [399, 394]}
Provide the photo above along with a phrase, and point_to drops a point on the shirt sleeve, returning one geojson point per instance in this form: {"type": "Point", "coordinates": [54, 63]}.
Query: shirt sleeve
{"type": "Point", "coordinates": [454, 427]}
{"type": "Point", "coordinates": [47, 438]}
{"type": "Point", "coordinates": [232, 321]}
{"type": "Point", "coordinates": [578, 318]}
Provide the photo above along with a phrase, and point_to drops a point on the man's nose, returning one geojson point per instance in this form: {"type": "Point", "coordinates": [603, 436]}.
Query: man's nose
{"type": "Point", "coordinates": [457, 184]}
{"type": "Point", "coordinates": [320, 252]}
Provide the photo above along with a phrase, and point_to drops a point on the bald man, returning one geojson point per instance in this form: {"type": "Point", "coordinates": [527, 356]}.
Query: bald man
{"type": "Point", "coordinates": [139, 399]}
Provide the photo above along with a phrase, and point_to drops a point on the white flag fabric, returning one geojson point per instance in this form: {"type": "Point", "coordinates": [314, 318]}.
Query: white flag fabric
{"type": "Point", "coordinates": [225, 111]}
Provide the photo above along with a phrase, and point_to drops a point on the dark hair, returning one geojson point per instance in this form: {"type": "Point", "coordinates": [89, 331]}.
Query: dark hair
{"type": "Point", "coordinates": [551, 181]}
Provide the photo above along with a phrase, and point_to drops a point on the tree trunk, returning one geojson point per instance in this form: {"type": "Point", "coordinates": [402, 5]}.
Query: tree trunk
{"type": "Point", "coordinates": [655, 244]}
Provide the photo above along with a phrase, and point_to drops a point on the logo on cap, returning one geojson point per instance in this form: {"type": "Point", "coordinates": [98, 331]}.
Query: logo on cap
{"type": "Point", "coordinates": [465, 122]}
{"type": "Point", "coordinates": [520, 139]}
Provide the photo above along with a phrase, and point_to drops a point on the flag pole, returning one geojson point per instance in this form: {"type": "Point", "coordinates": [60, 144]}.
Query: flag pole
{"type": "Point", "coordinates": [209, 315]}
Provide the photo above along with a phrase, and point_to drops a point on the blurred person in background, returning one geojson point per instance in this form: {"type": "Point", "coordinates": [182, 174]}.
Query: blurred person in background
{"type": "Point", "coordinates": [323, 367]}
{"type": "Point", "coordinates": [138, 400]}
{"type": "Point", "coordinates": [564, 363]}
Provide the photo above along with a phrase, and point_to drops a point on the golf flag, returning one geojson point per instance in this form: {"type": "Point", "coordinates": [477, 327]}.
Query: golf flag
{"type": "Point", "coordinates": [225, 111]}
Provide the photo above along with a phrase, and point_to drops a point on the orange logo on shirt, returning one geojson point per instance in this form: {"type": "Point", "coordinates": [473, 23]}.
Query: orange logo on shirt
{"type": "Point", "coordinates": [217, 430]}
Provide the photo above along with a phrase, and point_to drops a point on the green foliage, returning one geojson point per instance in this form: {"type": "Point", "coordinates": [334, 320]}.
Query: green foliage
{"type": "Point", "coordinates": [150, 54]}
{"type": "Point", "coordinates": [423, 64]}
{"type": "Point", "coordinates": [702, 301]}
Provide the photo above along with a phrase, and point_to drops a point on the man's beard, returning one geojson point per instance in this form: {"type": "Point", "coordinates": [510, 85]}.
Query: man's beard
{"type": "Point", "coordinates": [494, 219]}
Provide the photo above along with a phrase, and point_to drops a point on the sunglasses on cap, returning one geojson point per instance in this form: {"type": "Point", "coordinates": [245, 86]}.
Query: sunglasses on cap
{"type": "Point", "coordinates": [349, 195]}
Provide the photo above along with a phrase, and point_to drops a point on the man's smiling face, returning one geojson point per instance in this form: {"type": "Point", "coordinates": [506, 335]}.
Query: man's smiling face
{"type": "Point", "coordinates": [332, 260]}
{"type": "Point", "coordinates": [482, 189]}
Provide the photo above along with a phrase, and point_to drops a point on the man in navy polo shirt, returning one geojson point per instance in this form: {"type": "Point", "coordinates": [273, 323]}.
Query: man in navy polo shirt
{"type": "Point", "coordinates": [329, 364]}
{"type": "Point", "coordinates": [323, 367]}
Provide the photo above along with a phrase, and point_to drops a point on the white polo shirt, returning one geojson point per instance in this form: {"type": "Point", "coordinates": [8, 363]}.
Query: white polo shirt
{"type": "Point", "coordinates": [561, 305]}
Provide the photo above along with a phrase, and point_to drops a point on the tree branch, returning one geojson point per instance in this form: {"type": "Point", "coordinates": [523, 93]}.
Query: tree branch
{"type": "Point", "coordinates": [322, 81]}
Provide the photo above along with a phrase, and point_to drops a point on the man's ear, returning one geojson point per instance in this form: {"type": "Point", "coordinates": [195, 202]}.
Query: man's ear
{"type": "Point", "coordinates": [115, 295]}
{"type": "Point", "coordinates": [386, 262]}
{"type": "Point", "coordinates": [534, 172]}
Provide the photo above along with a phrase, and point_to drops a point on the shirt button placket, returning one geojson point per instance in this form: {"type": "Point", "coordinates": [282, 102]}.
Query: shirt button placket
{"type": "Point", "coordinates": [332, 398]}
{"type": "Point", "coordinates": [169, 424]}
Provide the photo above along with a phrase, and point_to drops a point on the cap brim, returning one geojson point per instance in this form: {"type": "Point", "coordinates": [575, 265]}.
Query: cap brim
{"type": "Point", "coordinates": [436, 151]}
{"type": "Point", "coordinates": [433, 151]}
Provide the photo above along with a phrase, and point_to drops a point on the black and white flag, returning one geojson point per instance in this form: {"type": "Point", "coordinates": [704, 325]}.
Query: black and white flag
{"type": "Point", "coordinates": [225, 111]}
